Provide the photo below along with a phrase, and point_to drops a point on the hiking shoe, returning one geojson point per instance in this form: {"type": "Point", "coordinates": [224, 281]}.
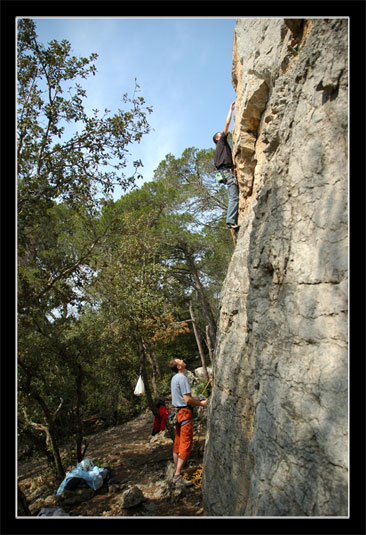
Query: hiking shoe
{"type": "Point", "coordinates": [179, 481]}
{"type": "Point", "coordinates": [233, 225]}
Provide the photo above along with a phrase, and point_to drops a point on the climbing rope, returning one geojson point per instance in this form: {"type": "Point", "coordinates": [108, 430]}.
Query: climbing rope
{"type": "Point", "coordinates": [196, 478]}
{"type": "Point", "coordinates": [209, 381]}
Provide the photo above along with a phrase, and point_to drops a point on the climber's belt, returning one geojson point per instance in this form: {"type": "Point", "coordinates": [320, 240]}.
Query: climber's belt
{"type": "Point", "coordinates": [175, 415]}
{"type": "Point", "coordinates": [184, 422]}
{"type": "Point", "coordinates": [225, 175]}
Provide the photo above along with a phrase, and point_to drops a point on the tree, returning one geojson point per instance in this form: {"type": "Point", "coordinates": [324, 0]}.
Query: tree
{"type": "Point", "coordinates": [53, 164]}
{"type": "Point", "coordinates": [193, 226]}
{"type": "Point", "coordinates": [170, 217]}
{"type": "Point", "coordinates": [157, 260]}
{"type": "Point", "coordinates": [78, 171]}
{"type": "Point", "coordinates": [104, 287]}
{"type": "Point", "coordinates": [68, 164]}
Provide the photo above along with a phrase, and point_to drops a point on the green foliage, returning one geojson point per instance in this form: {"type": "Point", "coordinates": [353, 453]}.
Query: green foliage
{"type": "Point", "coordinates": [78, 167]}
{"type": "Point", "coordinates": [97, 278]}
{"type": "Point", "coordinates": [68, 163]}
{"type": "Point", "coordinates": [201, 388]}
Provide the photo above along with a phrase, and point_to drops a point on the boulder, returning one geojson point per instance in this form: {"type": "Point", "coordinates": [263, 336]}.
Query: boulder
{"type": "Point", "coordinates": [191, 377]}
{"type": "Point", "coordinates": [75, 496]}
{"type": "Point", "coordinates": [36, 506]}
{"type": "Point", "coordinates": [131, 497]}
{"type": "Point", "coordinates": [200, 374]}
{"type": "Point", "coordinates": [169, 471]}
{"type": "Point", "coordinates": [160, 439]}
{"type": "Point", "coordinates": [50, 501]}
{"type": "Point", "coordinates": [162, 491]}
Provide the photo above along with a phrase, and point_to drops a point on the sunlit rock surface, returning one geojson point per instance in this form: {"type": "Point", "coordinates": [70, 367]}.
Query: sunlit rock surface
{"type": "Point", "coordinates": [277, 442]}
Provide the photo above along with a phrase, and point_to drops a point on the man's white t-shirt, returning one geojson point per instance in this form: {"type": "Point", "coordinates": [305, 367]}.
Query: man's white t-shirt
{"type": "Point", "coordinates": [179, 386]}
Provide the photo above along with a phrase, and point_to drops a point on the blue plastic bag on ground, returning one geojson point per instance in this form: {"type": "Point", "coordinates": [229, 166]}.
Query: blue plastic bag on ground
{"type": "Point", "coordinates": [52, 511]}
{"type": "Point", "coordinates": [93, 477]}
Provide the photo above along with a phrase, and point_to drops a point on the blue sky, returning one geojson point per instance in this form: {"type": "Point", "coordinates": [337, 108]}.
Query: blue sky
{"type": "Point", "coordinates": [183, 67]}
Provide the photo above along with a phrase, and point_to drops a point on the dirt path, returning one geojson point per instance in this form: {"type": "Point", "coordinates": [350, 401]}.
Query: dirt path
{"type": "Point", "coordinates": [134, 458]}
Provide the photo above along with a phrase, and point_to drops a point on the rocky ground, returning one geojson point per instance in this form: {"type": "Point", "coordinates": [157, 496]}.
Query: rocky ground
{"type": "Point", "coordinates": [134, 459]}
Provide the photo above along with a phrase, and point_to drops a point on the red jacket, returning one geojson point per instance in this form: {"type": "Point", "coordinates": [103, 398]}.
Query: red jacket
{"type": "Point", "coordinates": [159, 422]}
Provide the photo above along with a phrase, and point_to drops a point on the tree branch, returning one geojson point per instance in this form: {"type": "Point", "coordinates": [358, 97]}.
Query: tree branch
{"type": "Point", "coordinates": [70, 269]}
{"type": "Point", "coordinates": [39, 427]}
{"type": "Point", "coordinates": [58, 408]}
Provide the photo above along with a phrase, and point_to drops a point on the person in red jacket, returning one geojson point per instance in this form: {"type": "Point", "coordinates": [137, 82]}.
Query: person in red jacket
{"type": "Point", "coordinates": [159, 421]}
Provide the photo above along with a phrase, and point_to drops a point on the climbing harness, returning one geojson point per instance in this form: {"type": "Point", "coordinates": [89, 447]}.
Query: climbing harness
{"type": "Point", "coordinates": [173, 416]}
{"type": "Point", "coordinates": [221, 178]}
{"type": "Point", "coordinates": [185, 422]}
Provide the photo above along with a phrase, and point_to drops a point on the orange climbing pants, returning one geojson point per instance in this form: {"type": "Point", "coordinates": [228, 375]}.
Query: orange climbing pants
{"type": "Point", "coordinates": [183, 441]}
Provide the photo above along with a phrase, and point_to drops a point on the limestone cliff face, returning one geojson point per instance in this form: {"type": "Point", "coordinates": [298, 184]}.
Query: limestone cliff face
{"type": "Point", "coordinates": [277, 442]}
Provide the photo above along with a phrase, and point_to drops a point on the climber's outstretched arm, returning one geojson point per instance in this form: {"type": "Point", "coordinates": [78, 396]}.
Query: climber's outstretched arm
{"type": "Point", "coordinates": [228, 118]}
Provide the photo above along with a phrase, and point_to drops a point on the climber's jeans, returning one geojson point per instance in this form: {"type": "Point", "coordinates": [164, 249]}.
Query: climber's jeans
{"type": "Point", "coordinates": [233, 197]}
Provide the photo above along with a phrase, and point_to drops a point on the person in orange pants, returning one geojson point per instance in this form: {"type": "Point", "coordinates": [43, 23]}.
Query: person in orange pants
{"type": "Point", "coordinates": [183, 401]}
{"type": "Point", "coordinates": [183, 441]}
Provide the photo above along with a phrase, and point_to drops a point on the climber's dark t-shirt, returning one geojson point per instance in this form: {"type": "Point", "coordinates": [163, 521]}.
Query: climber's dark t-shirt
{"type": "Point", "coordinates": [223, 156]}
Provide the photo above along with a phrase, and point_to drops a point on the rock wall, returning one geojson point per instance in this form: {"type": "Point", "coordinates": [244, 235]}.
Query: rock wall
{"type": "Point", "coordinates": [277, 439]}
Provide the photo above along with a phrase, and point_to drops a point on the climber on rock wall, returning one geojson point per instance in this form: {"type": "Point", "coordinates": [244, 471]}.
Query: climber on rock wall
{"type": "Point", "coordinates": [224, 164]}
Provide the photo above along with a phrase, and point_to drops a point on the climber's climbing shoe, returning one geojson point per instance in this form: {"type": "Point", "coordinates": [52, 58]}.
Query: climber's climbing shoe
{"type": "Point", "coordinates": [179, 481]}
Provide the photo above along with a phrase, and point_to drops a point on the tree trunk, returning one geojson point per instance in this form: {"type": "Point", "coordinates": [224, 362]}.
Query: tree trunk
{"type": "Point", "coordinates": [23, 509]}
{"type": "Point", "coordinates": [209, 344]}
{"type": "Point", "coordinates": [156, 363]}
{"type": "Point", "coordinates": [149, 399]}
{"type": "Point", "coordinates": [205, 306]}
{"type": "Point", "coordinates": [198, 340]}
{"type": "Point", "coordinates": [79, 425]}
{"type": "Point", "coordinates": [145, 379]}
{"type": "Point", "coordinates": [51, 446]}
{"type": "Point", "coordinates": [51, 439]}
{"type": "Point", "coordinates": [154, 376]}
